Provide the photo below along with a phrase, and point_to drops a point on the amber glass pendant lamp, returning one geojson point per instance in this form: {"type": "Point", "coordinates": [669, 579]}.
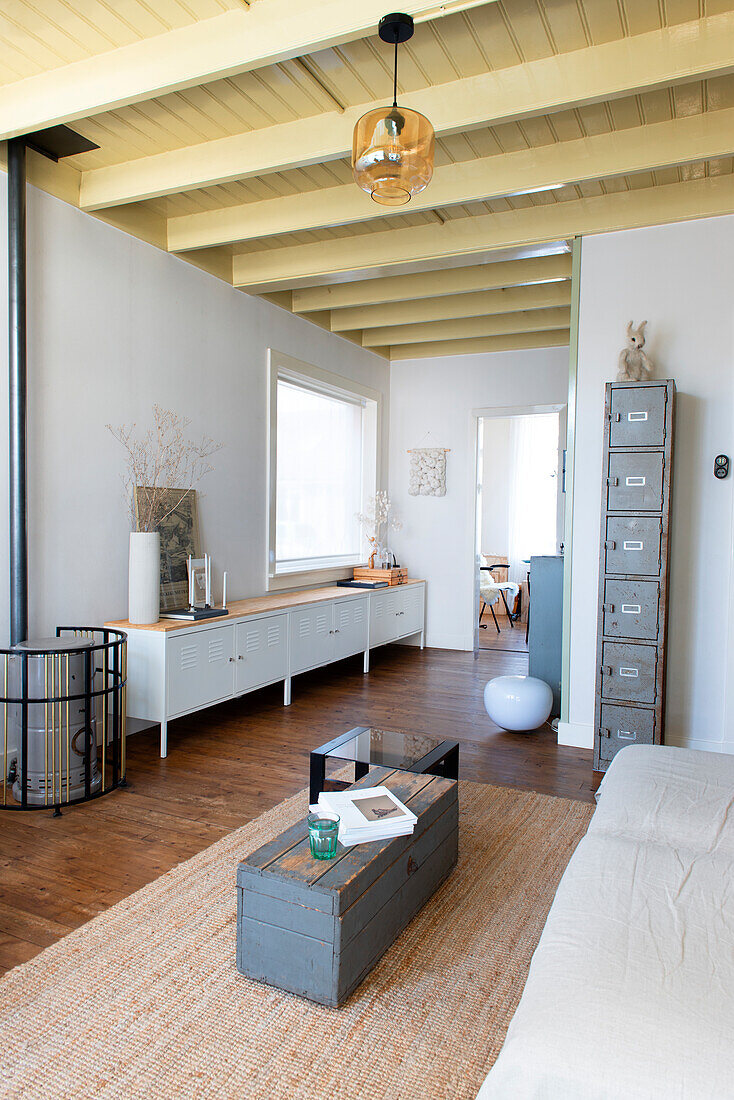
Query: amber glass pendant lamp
{"type": "Point", "coordinates": [392, 149]}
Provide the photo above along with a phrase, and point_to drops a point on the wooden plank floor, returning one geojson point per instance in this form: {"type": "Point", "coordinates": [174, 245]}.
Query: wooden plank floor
{"type": "Point", "coordinates": [232, 762]}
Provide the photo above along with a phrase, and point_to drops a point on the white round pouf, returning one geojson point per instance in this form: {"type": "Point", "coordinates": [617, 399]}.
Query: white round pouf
{"type": "Point", "coordinates": [518, 702]}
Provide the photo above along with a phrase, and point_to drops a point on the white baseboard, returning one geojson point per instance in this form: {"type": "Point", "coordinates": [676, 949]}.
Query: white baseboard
{"type": "Point", "coordinates": [449, 641]}
{"type": "Point", "coordinates": [577, 735]}
{"type": "Point", "coordinates": [725, 747]}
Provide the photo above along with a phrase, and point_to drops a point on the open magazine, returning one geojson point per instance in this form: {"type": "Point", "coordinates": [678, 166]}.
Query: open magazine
{"type": "Point", "coordinates": [371, 813]}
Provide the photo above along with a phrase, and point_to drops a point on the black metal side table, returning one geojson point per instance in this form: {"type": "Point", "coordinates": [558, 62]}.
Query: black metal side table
{"type": "Point", "coordinates": [368, 745]}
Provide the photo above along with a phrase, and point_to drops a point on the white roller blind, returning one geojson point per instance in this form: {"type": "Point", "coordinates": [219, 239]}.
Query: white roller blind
{"type": "Point", "coordinates": [319, 477]}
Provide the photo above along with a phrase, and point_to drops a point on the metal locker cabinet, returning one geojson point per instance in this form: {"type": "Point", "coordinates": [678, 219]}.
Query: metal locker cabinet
{"type": "Point", "coordinates": [634, 565]}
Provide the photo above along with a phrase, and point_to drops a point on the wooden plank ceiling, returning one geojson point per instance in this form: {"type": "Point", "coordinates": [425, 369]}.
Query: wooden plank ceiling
{"type": "Point", "coordinates": [224, 131]}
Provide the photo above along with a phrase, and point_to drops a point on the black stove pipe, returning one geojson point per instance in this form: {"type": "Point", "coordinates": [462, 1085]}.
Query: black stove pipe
{"type": "Point", "coordinates": [17, 363]}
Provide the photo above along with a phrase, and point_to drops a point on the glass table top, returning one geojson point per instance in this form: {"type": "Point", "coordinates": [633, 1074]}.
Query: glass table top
{"type": "Point", "coordinates": [388, 748]}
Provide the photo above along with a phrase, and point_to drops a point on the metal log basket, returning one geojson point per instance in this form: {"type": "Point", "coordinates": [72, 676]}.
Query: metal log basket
{"type": "Point", "coordinates": [62, 709]}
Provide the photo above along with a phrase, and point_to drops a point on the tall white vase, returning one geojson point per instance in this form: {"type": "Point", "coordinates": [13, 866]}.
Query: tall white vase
{"type": "Point", "coordinates": [144, 577]}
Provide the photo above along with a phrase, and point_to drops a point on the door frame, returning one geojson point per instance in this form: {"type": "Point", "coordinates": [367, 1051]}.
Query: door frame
{"type": "Point", "coordinates": [505, 412]}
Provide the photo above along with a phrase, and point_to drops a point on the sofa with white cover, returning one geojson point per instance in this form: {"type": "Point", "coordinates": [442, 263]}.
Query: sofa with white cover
{"type": "Point", "coordinates": [631, 989]}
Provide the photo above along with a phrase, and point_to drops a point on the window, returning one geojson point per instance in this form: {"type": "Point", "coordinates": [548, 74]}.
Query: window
{"type": "Point", "coordinates": [322, 469]}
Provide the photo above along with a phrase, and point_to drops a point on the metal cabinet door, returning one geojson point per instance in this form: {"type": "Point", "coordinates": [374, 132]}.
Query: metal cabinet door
{"type": "Point", "coordinates": [410, 610]}
{"type": "Point", "coordinates": [638, 416]}
{"type": "Point", "coordinates": [631, 609]}
{"type": "Point", "coordinates": [350, 626]}
{"type": "Point", "coordinates": [635, 481]}
{"type": "Point", "coordinates": [311, 637]}
{"type": "Point", "coordinates": [200, 668]}
{"type": "Point", "coordinates": [633, 546]}
{"type": "Point", "coordinates": [628, 672]}
{"type": "Point", "coordinates": [383, 615]}
{"type": "Point", "coordinates": [621, 726]}
{"type": "Point", "coordinates": [262, 652]}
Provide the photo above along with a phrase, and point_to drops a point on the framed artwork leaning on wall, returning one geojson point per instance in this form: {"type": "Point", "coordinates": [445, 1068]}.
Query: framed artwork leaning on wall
{"type": "Point", "coordinates": [179, 531]}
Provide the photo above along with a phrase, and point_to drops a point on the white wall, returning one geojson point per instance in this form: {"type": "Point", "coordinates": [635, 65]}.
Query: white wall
{"type": "Point", "coordinates": [681, 278]}
{"type": "Point", "coordinates": [114, 326]}
{"type": "Point", "coordinates": [495, 538]}
{"type": "Point", "coordinates": [437, 396]}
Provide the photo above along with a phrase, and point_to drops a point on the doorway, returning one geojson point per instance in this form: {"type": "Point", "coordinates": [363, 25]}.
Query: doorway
{"type": "Point", "coordinates": [520, 512]}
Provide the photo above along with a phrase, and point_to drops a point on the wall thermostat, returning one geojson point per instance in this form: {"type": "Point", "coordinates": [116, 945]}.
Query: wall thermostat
{"type": "Point", "coordinates": [721, 466]}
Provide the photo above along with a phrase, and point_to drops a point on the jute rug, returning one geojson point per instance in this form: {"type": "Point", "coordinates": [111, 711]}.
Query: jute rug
{"type": "Point", "coordinates": [145, 1000]}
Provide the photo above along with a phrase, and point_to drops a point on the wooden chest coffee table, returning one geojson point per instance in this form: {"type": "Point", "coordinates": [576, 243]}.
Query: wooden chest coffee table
{"type": "Point", "coordinates": [317, 928]}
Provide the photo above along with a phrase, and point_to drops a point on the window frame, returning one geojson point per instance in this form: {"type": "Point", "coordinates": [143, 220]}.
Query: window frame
{"type": "Point", "coordinates": [285, 367]}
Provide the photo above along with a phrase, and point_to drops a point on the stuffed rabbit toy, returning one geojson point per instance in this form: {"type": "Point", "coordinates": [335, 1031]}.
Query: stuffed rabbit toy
{"type": "Point", "coordinates": [634, 365]}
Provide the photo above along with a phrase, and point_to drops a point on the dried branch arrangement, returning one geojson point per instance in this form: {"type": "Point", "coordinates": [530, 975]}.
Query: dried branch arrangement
{"type": "Point", "coordinates": [378, 520]}
{"type": "Point", "coordinates": [161, 460]}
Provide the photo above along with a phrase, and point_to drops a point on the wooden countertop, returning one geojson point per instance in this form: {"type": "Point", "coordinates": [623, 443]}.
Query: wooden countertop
{"type": "Point", "coordinates": [238, 609]}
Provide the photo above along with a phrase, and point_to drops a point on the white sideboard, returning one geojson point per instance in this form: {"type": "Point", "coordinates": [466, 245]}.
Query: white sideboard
{"type": "Point", "coordinates": [176, 668]}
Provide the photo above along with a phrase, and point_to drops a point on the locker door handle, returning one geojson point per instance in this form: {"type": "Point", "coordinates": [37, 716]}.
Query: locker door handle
{"type": "Point", "coordinates": [617, 418]}
{"type": "Point", "coordinates": [605, 732]}
{"type": "Point", "coordinates": [627, 671]}
{"type": "Point", "coordinates": [627, 735]}
{"type": "Point", "coordinates": [231, 660]}
{"type": "Point", "coordinates": [240, 657]}
{"type": "Point", "coordinates": [606, 670]}
{"type": "Point", "coordinates": [631, 609]}
{"type": "Point", "coordinates": [610, 544]}
{"type": "Point", "coordinates": [613, 481]}
{"type": "Point", "coordinates": [609, 608]}
{"type": "Point", "coordinates": [634, 544]}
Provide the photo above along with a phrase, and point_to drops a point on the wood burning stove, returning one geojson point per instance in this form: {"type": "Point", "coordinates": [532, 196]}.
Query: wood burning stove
{"type": "Point", "coordinates": [62, 708]}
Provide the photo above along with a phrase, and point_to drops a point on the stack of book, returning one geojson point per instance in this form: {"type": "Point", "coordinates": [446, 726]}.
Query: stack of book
{"type": "Point", "coordinates": [372, 813]}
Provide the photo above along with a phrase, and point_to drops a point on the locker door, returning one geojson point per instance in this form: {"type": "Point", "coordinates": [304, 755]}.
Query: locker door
{"type": "Point", "coordinates": [411, 610]}
{"type": "Point", "coordinates": [312, 638]}
{"type": "Point", "coordinates": [635, 481]}
{"type": "Point", "coordinates": [638, 416]}
{"type": "Point", "coordinates": [628, 672]}
{"type": "Point", "coordinates": [621, 726]}
{"type": "Point", "coordinates": [383, 615]}
{"type": "Point", "coordinates": [633, 546]}
{"type": "Point", "coordinates": [350, 627]}
{"type": "Point", "coordinates": [631, 609]}
{"type": "Point", "coordinates": [262, 652]}
{"type": "Point", "coordinates": [200, 668]}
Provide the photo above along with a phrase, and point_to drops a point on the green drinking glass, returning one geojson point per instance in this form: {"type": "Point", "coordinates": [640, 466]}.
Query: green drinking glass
{"type": "Point", "coordinates": [323, 830]}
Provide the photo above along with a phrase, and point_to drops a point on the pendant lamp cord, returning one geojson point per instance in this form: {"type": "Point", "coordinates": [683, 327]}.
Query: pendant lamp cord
{"type": "Point", "coordinates": [395, 74]}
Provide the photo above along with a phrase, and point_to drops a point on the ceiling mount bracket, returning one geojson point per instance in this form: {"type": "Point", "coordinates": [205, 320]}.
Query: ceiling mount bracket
{"type": "Point", "coordinates": [396, 27]}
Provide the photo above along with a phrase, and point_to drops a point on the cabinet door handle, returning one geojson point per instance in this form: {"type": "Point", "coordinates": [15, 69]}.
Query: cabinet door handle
{"type": "Point", "coordinates": [240, 657]}
{"type": "Point", "coordinates": [231, 660]}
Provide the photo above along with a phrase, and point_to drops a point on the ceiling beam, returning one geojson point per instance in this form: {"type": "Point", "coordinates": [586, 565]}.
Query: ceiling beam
{"type": "Point", "coordinates": [501, 324]}
{"type": "Point", "coordinates": [468, 236]}
{"type": "Point", "coordinates": [210, 49]}
{"type": "Point", "coordinates": [689, 51]}
{"type": "Point", "coordinates": [555, 338]}
{"type": "Point", "coordinates": [482, 304]}
{"type": "Point", "coordinates": [432, 284]}
{"type": "Point", "coordinates": [618, 153]}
